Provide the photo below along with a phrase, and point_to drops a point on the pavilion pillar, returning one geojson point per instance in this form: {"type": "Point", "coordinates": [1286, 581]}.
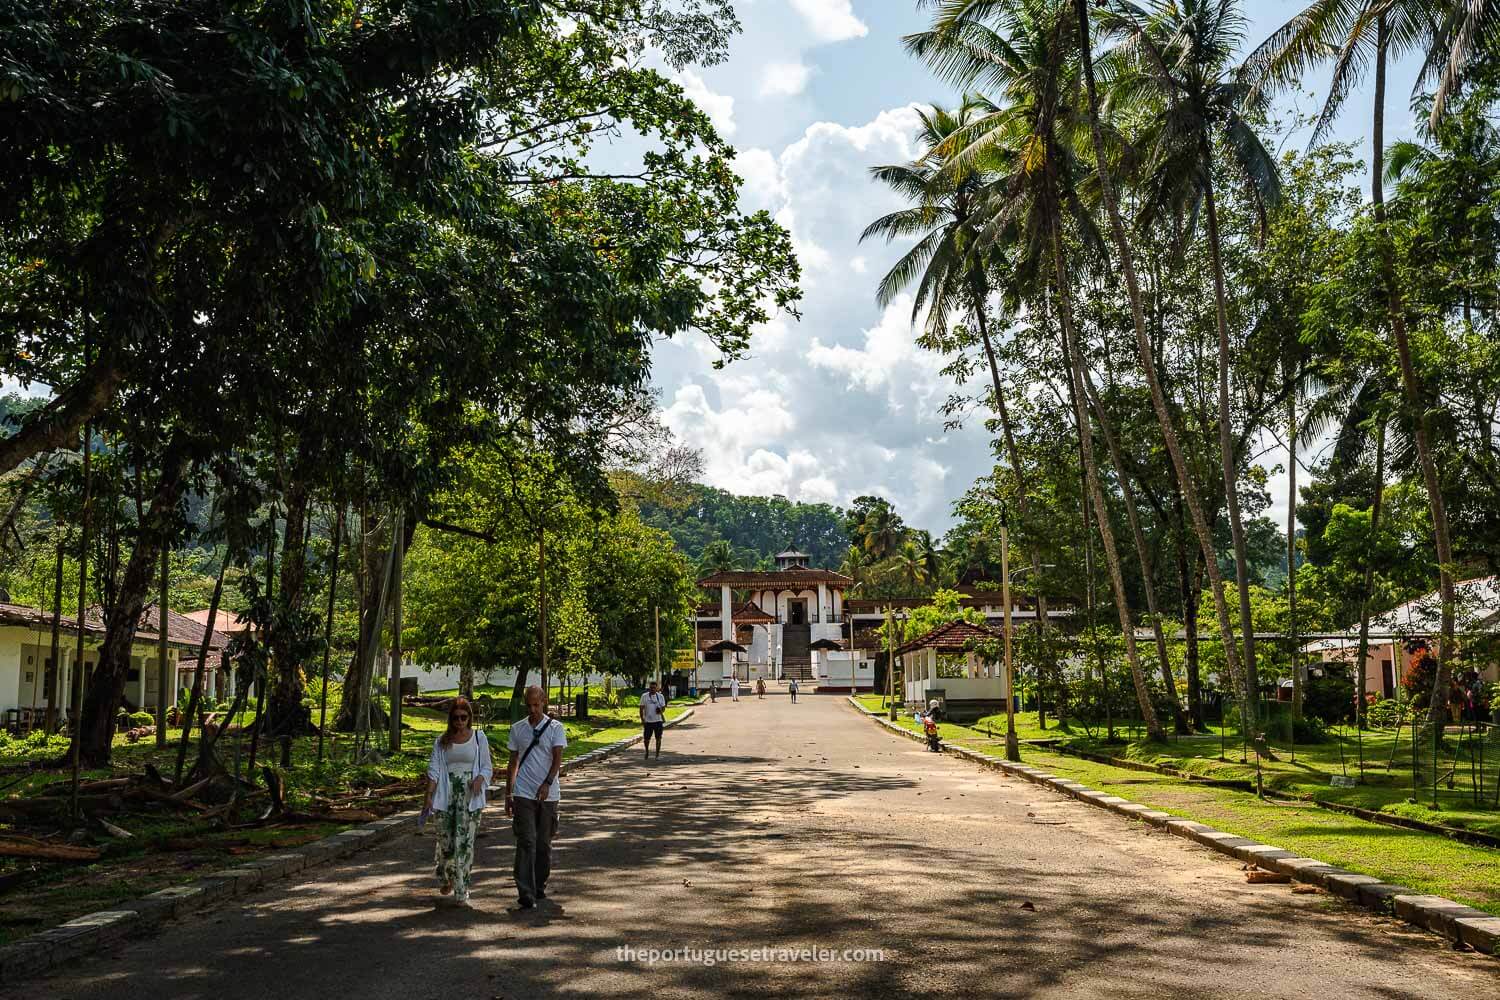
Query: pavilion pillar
{"type": "Point", "coordinates": [823, 608]}
{"type": "Point", "coordinates": [726, 611]}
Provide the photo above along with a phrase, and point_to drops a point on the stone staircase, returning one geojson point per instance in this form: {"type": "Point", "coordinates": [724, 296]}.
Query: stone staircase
{"type": "Point", "coordinates": [796, 657]}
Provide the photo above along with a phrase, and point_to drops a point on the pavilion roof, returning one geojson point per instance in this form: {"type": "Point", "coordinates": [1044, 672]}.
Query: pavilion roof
{"type": "Point", "coordinates": [953, 637]}
{"type": "Point", "coordinates": [794, 577]}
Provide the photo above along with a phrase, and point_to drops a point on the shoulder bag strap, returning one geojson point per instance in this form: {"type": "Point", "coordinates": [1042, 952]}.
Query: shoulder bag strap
{"type": "Point", "coordinates": [536, 737]}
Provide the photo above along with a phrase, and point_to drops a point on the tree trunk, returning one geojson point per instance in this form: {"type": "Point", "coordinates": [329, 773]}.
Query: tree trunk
{"type": "Point", "coordinates": [1412, 391]}
{"type": "Point", "coordinates": [1153, 382]}
{"type": "Point", "coordinates": [1190, 661]}
{"type": "Point", "coordinates": [1073, 358]}
{"type": "Point", "coordinates": [52, 677]}
{"type": "Point", "coordinates": [290, 629]}
{"type": "Point", "coordinates": [1291, 552]}
{"type": "Point", "coordinates": [358, 679]}
{"type": "Point", "coordinates": [195, 697]}
{"type": "Point", "coordinates": [466, 679]}
{"type": "Point", "coordinates": [1142, 552]}
{"type": "Point", "coordinates": [1369, 577]}
{"type": "Point", "coordinates": [106, 688]}
{"type": "Point", "coordinates": [163, 681]}
{"type": "Point", "coordinates": [1013, 453]}
{"type": "Point", "coordinates": [1226, 436]}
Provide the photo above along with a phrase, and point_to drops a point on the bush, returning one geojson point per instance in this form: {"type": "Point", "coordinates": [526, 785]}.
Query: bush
{"type": "Point", "coordinates": [1310, 729]}
{"type": "Point", "coordinates": [1329, 698]}
{"type": "Point", "coordinates": [142, 719]}
{"type": "Point", "coordinates": [1384, 714]}
{"type": "Point", "coordinates": [604, 696]}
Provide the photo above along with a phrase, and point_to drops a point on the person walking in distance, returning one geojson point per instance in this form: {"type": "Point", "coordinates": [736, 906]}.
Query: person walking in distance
{"type": "Point", "coordinates": [653, 717]}
{"type": "Point", "coordinates": [532, 794]}
{"type": "Point", "coordinates": [734, 688]}
{"type": "Point", "coordinates": [760, 687]}
{"type": "Point", "coordinates": [458, 773]}
{"type": "Point", "coordinates": [792, 688]}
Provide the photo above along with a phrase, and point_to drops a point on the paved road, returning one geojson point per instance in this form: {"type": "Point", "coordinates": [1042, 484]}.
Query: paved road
{"type": "Point", "coordinates": [768, 824]}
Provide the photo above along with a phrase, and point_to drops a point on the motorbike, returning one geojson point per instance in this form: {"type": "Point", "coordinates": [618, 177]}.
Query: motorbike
{"type": "Point", "coordinates": [930, 730]}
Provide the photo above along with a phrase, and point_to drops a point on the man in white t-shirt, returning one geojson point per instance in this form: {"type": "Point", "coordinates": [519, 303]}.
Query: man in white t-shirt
{"type": "Point", "coordinates": [653, 717]}
{"type": "Point", "coordinates": [532, 794]}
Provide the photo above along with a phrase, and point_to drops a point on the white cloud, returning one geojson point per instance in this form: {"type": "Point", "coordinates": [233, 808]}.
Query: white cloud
{"type": "Point", "coordinates": [830, 20]}
{"type": "Point", "coordinates": [889, 360]}
{"type": "Point", "coordinates": [784, 79]}
{"type": "Point", "coordinates": [842, 402]}
{"type": "Point", "coordinates": [718, 107]}
{"type": "Point", "coordinates": [762, 176]}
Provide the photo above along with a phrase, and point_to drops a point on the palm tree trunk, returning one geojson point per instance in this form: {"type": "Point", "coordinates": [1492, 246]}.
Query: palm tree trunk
{"type": "Point", "coordinates": [1369, 580]}
{"type": "Point", "coordinates": [1291, 553]}
{"type": "Point", "coordinates": [1153, 382]}
{"type": "Point", "coordinates": [1013, 453]}
{"type": "Point", "coordinates": [1142, 552]}
{"type": "Point", "coordinates": [1074, 360]}
{"type": "Point", "coordinates": [1412, 390]}
{"type": "Point", "coordinates": [1226, 435]}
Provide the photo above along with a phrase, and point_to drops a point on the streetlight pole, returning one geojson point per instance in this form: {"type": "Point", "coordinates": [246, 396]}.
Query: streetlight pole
{"type": "Point", "coordinates": [890, 658]}
{"type": "Point", "coordinates": [1012, 745]}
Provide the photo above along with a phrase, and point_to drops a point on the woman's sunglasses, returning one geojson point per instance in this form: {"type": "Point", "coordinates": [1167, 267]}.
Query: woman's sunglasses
{"type": "Point", "coordinates": [458, 718]}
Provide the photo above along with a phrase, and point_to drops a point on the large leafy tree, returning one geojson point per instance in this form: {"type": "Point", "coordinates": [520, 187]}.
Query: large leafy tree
{"type": "Point", "coordinates": [1180, 55]}
{"type": "Point", "coordinates": [359, 228]}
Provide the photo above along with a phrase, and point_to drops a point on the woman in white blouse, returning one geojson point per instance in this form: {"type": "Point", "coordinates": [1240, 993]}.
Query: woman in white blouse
{"type": "Point", "coordinates": [457, 776]}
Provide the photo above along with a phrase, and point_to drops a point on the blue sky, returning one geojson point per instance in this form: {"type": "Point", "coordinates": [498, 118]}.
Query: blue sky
{"type": "Point", "coordinates": [842, 403]}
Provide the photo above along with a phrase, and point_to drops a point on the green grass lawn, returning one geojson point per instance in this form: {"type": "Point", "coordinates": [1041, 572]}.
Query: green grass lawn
{"type": "Point", "coordinates": [1027, 727]}
{"type": "Point", "coordinates": [1425, 862]}
{"type": "Point", "coordinates": [1307, 771]}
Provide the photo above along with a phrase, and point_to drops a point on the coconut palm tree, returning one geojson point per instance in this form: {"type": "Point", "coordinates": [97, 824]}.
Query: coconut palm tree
{"type": "Point", "coordinates": [1027, 136]}
{"type": "Point", "coordinates": [1145, 352]}
{"type": "Point", "coordinates": [906, 567]}
{"type": "Point", "coordinates": [928, 552]}
{"type": "Point", "coordinates": [1180, 55]}
{"type": "Point", "coordinates": [1361, 34]}
{"type": "Point", "coordinates": [881, 533]}
{"type": "Point", "coordinates": [951, 275]}
{"type": "Point", "coordinates": [855, 566]}
{"type": "Point", "coordinates": [717, 557]}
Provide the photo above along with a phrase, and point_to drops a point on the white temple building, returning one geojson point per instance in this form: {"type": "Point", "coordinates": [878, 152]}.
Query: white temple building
{"type": "Point", "coordinates": [796, 621]}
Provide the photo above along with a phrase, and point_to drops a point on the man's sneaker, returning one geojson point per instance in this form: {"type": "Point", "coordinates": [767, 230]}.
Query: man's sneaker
{"type": "Point", "coordinates": [528, 904]}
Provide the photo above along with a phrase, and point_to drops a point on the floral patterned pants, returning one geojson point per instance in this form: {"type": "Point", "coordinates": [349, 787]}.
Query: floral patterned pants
{"type": "Point", "coordinates": [456, 827]}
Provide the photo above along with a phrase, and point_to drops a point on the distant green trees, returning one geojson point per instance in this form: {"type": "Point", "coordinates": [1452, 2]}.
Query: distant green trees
{"type": "Point", "coordinates": [753, 529]}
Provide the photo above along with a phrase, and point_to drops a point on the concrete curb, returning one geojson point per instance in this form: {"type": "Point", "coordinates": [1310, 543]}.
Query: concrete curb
{"type": "Point", "coordinates": [34, 955]}
{"type": "Point", "coordinates": [1454, 921]}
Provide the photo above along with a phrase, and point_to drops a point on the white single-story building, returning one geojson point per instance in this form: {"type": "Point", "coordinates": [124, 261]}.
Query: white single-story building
{"type": "Point", "coordinates": [26, 666]}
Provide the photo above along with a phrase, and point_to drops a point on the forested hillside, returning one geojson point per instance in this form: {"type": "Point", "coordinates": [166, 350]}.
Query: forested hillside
{"type": "Point", "coordinates": [756, 528]}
